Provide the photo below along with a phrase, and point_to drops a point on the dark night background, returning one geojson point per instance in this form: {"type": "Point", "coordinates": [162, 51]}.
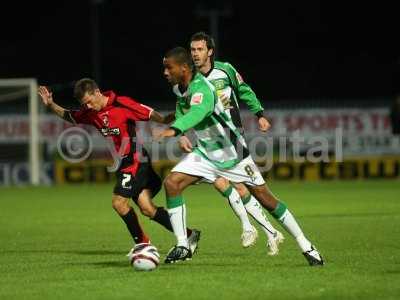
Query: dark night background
{"type": "Point", "coordinates": [289, 52]}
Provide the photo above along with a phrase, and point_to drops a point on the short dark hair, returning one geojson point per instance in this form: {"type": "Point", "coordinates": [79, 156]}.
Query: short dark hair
{"type": "Point", "coordinates": [202, 36]}
{"type": "Point", "coordinates": [84, 85]}
{"type": "Point", "coordinates": [181, 56]}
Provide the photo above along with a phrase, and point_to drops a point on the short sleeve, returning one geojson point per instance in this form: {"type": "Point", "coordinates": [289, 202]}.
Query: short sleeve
{"type": "Point", "coordinates": [136, 111]}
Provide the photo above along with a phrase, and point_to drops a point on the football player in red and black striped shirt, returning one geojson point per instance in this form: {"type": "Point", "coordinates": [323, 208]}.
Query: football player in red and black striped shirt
{"type": "Point", "coordinates": [115, 116]}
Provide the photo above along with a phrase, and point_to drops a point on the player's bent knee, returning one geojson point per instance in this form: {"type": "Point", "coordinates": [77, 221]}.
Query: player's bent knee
{"type": "Point", "coordinates": [171, 183]}
{"type": "Point", "coordinates": [264, 196]}
{"type": "Point", "coordinates": [242, 190]}
{"type": "Point", "coordinates": [148, 211]}
{"type": "Point", "coordinates": [221, 184]}
{"type": "Point", "coordinates": [120, 205]}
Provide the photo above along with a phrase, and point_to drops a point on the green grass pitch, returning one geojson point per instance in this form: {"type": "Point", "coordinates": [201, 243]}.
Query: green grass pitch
{"type": "Point", "coordinates": [66, 242]}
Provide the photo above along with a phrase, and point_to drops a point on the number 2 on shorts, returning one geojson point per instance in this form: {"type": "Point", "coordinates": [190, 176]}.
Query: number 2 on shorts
{"type": "Point", "coordinates": [125, 180]}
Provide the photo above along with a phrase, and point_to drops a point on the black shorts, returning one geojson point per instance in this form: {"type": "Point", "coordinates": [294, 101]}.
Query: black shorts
{"type": "Point", "coordinates": [130, 186]}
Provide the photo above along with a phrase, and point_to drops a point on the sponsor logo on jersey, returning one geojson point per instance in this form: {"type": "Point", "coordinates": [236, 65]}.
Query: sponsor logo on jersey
{"type": "Point", "coordinates": [110, 131]}
{"type": "Point", "coordinates": [196, 99]}
{"type": "Point", "coordinates": [219, 84]}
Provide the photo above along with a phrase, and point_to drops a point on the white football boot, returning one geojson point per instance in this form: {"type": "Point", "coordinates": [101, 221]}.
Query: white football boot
{"type": "Point", "coordinates": [273, 244]}
{"type": "Point", "coordinates": [249, 237]}
{"type": "Point", "coordinates": [193, 240]}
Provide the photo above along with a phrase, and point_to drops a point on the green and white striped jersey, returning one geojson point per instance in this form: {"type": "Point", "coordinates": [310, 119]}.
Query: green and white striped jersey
{"type": "Point", "coordinates": [227, 81]}
{"type": "Point", "coordinates": [218, 139]}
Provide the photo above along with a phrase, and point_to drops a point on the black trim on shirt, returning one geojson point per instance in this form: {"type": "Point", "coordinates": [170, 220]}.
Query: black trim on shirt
{"type": "Point", "coordinates": [68, 117]}
{"type": "Point", "coordinates": [260, 114]}
{"type": "Point", "coordinates": [209, 72]}
{"type": "Point", "coordinates": [235, 110]}
{"type": "Point", "coordinates": [233, 138]}
{"type": "Point", "coordinates": [131, 128]}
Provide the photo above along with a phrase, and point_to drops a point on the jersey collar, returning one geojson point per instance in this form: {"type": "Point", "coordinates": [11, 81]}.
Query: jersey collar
{"type": "Point", "coordinates": [178, 92]}
{"type": "Point", "coordinates": [209, 71]}
{"type": "Point", "coordinates": [111, 97]}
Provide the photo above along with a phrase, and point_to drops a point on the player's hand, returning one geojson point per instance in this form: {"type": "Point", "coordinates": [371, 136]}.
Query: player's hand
{"type": "Point", "coordinates": [226, 101]}
{"type": "Point", "coordinates": [263, 124]}
{"type": "Point", "coordinates": [157, 134]}
{"type": "Point", "coordinates": [46, 95]}
{"type": "Point", "coordinates": [185, 144]}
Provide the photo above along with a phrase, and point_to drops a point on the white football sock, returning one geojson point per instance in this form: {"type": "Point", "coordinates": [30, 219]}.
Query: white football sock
{"type": "Point", "coordinates": [290, 224]}
{"type": "Point", "coordinates": [237, 206]}
{"type": "Point", "coordinates": [177, 216]}
{"type": "Point", "coordinates": [256, 211]}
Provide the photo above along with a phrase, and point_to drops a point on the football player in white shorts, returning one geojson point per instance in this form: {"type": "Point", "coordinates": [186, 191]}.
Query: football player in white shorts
{"type": "Point", "coordinates": [220, 152]}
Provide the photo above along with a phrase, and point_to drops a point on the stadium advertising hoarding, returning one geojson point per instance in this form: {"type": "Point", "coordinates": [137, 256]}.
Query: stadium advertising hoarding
{"type": "Point", "coordinates": [363, 135]}
{"type": "Point", "coordinates": [386, 167]}
{"type": "Point", "coordinates": [371, 121]}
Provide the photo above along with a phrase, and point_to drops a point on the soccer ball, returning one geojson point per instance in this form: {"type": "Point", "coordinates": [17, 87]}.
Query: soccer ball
{"type": "Point", "coordinates": [145, 257]}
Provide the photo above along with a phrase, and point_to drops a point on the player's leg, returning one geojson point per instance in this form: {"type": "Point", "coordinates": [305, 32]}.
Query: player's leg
{"type": "Point", "coordinates": [249, 235]}
{"type": "Point", "coordinates": [280, 211]}
{"type": "Point", "coordinates": [146, 205]}
{"type": "Point", "coordinates": [247, 172]}
{"type": "Point", "coordinates": [160, 215]}
{"type": "Point", "coordinates": [255, 210]}
{"type": "Point", "coordinates": [149, 189]}
{"type": "Point", "coordinates": [128, 215]}
{"type": "Point", "coordinates": [148, 183]}
{"type": "Point", "coordinates": [186, 172]}
{"type": "Point", "coordinates": [174, 185]}
{"type": "Point", "coordinates": [147, 186]}
{"type": "Point", "coordinates": [123, 190]}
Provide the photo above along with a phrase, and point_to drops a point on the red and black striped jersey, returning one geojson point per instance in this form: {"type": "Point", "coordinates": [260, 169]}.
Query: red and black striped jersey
{"type": "Point", "coordinates": [117, 120]}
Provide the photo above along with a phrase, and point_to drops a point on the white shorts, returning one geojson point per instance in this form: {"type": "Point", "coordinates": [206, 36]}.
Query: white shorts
{"type": "Point", "coordinates": [245, 172]}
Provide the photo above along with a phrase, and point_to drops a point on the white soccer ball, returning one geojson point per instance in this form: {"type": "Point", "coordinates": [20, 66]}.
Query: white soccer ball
{"type": "Point", "coordinates": [145, 257]}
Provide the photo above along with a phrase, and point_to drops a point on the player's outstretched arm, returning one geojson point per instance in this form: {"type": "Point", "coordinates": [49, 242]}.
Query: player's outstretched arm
{"type": "Point", "coordinates": [159, 118]}
{"type": "Point", "coordinates": [47, 99]}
